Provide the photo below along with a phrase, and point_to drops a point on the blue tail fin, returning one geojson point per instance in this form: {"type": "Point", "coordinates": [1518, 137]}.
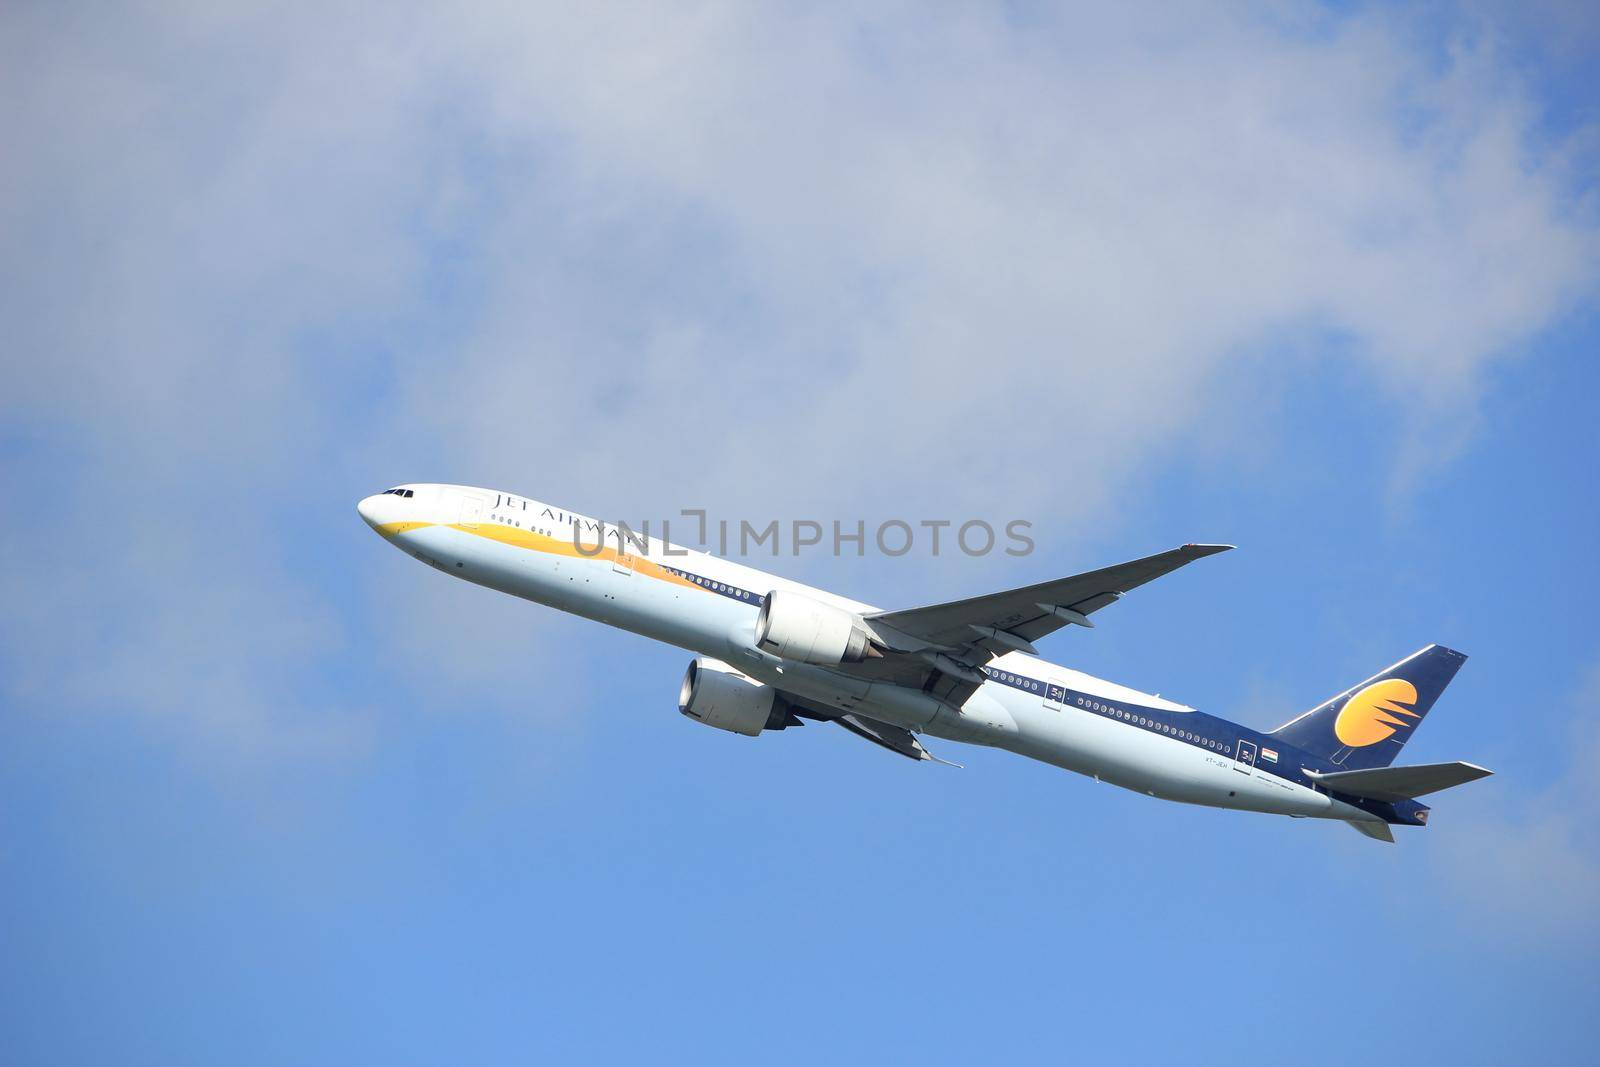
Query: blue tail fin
{"type": "Point", "coordinates": [1365, 725]}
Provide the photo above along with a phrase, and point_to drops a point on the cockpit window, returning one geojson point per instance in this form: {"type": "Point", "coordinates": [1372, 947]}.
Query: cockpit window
{"type": "Point", "coordinates": [398, 492]}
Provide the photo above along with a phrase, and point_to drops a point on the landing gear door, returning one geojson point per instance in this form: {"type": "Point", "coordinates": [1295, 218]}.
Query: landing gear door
{"type": "Point", "coordinates": [1244, 756]}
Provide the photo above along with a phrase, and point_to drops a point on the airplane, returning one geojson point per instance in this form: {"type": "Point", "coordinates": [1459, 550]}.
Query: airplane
{"type": "Point", "coordinates": [771, 654]}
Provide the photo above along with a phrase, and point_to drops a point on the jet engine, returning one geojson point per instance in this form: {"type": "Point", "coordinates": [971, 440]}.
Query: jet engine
{"type": "Point", "coordinates": [798, 628]}
{"type": "Point", "coordinates": [717, 695]}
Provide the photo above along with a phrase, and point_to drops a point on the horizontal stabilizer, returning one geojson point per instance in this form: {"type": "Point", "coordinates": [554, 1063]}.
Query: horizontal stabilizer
{"type": "Point", "coordinates": [1378, 831]}
{"type": "Point", "coordinates": [1394, 784]}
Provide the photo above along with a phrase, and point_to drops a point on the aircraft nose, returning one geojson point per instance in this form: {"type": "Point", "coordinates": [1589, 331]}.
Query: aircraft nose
{"type": "Point", "coordinates": [393, 511]}
{"type": "Point", "coordinates": [369, 509]}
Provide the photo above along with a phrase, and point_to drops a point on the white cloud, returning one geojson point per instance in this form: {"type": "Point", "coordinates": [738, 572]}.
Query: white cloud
{"type": "Point", "coordinates": [785, 260]}
{"type": "Point", "coordinates": [925, 231]}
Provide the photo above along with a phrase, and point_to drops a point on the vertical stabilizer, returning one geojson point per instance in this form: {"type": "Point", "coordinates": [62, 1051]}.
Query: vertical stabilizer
{"type": "Point", "coordinates": [1366, 725]}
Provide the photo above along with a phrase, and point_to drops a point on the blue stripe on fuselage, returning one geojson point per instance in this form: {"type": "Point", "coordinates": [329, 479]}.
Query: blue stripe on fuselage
{"type": "Point", "coordinates": [1208, 732]}
{"type": "Point", "coordinates": [711, 585]}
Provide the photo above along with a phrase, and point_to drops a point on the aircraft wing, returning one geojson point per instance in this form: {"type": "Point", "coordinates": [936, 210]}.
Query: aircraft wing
{"type": "Point", "coordinates": [941, 648]}
{"type": "Point", "coordinates": [886, 735]}
{"type": "Point", "coordinates": [1014, 619]}
{"type": "Point", "coordinates": [894, 738]}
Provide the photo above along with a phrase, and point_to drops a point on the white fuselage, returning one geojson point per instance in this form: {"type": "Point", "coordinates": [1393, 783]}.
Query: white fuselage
{"type": "Point", "coordinates": [709, 605]}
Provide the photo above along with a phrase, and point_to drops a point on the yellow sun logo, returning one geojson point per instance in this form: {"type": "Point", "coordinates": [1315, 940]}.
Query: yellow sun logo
{"type": "Point", "coordinates": [1373, 714]}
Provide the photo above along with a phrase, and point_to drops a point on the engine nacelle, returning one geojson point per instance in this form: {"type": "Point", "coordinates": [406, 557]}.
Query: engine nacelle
{"type": "Point", "coordinates": [717, 695]}
{"type": "Point", "coordinates": [795, 627]}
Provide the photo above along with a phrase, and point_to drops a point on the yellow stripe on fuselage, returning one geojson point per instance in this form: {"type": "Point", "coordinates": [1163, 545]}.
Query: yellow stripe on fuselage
{"type": "Point", "coordinates": [555, 546]}
{"type": "Point", "coordinates": [391, 529]}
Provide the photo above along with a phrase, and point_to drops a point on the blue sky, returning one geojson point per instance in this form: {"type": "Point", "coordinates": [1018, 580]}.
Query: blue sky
{"type": "Point", "coordinates": [1318, 281]}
